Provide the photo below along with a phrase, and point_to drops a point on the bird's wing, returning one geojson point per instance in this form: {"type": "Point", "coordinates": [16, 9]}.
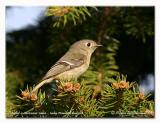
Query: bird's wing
{"type": "Point", "coordinates": [62, 66]}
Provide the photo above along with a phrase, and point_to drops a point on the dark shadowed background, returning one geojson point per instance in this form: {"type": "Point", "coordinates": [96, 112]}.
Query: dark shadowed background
{"type": "Point", "coordinates": [34, 45]}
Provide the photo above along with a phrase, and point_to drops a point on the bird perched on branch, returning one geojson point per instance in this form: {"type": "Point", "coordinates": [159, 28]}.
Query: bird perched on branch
{"type": "Point", "coordinates": [70, 66]}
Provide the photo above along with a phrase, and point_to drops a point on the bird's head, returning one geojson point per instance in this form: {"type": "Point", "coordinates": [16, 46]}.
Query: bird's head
{"type": "Point", "coordinates": [85, 45]}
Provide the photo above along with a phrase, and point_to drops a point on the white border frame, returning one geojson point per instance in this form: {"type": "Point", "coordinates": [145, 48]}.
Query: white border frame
{"type": "Point", "coordinates": [4, 3]}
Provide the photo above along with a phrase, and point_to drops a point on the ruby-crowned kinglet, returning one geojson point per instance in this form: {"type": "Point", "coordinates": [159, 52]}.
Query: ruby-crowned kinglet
{"type": "Point", "coordinates": [74, 63]}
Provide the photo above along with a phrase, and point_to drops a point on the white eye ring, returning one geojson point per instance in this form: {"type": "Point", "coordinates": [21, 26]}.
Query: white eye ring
{"type": "Point", "coordinates": [88, 44]}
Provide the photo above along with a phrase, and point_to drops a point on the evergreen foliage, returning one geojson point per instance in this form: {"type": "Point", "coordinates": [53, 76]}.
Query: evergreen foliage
{"type": "Point", "coordinates": [102, 91]}
{"type": "Point", "coordinates": [65, 14]}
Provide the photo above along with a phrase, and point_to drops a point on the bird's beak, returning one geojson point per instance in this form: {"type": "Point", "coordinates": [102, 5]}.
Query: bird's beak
{"type": "Point", "coordinates": [99, 45]}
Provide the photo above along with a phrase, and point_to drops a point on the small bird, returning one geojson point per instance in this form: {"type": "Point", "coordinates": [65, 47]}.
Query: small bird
{"type": "Point", "coordinates": [73, 64]}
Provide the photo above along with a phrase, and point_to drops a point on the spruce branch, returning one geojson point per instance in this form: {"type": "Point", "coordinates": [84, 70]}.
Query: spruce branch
{"type": "Point", "coordinates": [117, 99]}
{"type": "Point", "coordinates": [64, 14]}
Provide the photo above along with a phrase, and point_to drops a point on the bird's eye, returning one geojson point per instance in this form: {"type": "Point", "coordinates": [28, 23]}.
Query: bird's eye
{"type": "Point", "coordinates": [88, 44]}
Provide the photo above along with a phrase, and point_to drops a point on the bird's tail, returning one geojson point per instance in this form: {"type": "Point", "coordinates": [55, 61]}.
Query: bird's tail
{"type": "Point", "coordinates": [40, 85]}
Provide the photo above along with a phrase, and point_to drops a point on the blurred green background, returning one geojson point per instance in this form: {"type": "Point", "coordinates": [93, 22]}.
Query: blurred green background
{"type": "Point", "coordinates": [34, 48]}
